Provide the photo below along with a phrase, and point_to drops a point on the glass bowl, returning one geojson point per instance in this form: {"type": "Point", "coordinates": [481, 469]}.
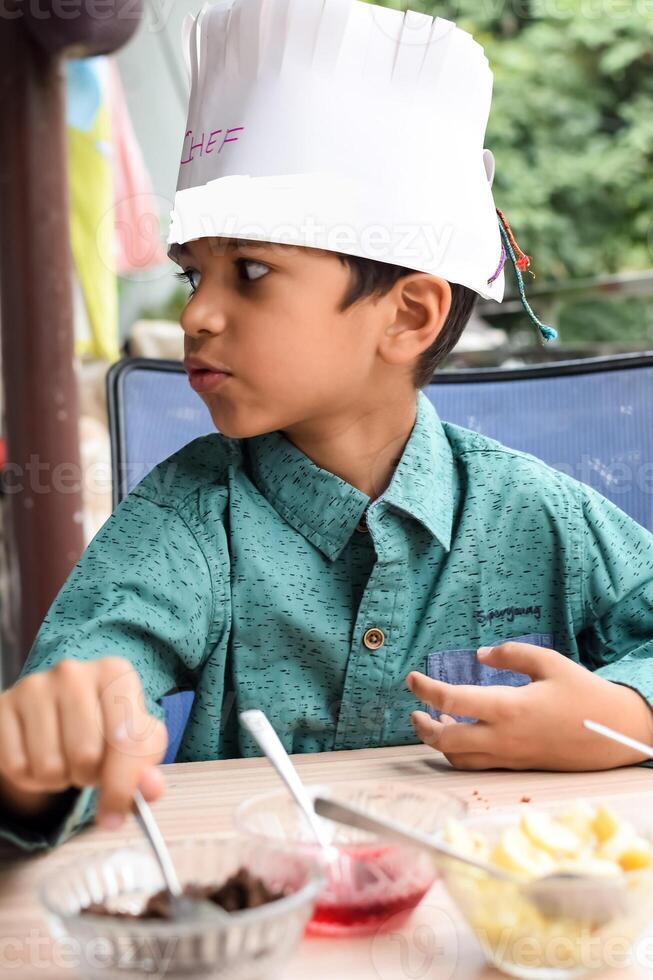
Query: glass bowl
{"type": "Point", "coordinates": [252, 944]}
{"type": "Point", "coordinates": [523, 941]}
{"type": "Point", "coordinates": [372, 879]}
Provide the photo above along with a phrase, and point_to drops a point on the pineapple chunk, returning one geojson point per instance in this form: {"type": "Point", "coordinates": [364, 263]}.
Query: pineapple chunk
{"type": "Point", "coordinates": [637, 854]}
{"type": "Point", "coordinates": [549, 834]}
{"type": "Point", "coordinates": [620, 841]}
{"type": "Point", "coordinates": [468, 842]}
{"type": "Point", "coordinates": [515, 852]}
{"type": "Point", "coordinates": [606, 823]}
{"type": "Point", "coordinates": [580, 818]}
{"type": "Point", "coordinates": [584, 840]}
{"type": "Point", "coordinates": [588, 865]}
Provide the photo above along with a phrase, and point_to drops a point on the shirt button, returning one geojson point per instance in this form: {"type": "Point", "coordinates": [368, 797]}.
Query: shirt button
{"type": "Point", "coordinates": [374, 638]}
{"type": "Point", "coordinates": [362, 524]}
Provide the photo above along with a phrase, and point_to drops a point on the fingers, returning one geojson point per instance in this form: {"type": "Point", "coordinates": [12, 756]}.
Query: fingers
{"type": "Point", "coordinates": [471, 761]}
{"type": "Point", "coordinates": [432, 732]}
{"type": "Point", "coordinates": [152, 784]}
{"type": "Point", "coordinates": [466, 739]}
{"type": "Point", "coordinates": [38, 719]}
{"type": "Point", "coordinates": [13, 757]}
{"type": "Point", "coordinates": [134, 742]}
{"type": "Point", "coordinates": [474, 762]}
{"type": "Point", "coordinates": [80, 723]}
{"type": "Point", "coordinates": [435, 735]}
{"type": "Point", "coordinates": [426, 728]}
{"type": "Point", "coordinates": [526, 658]}
{"type": "Point", "coordinates": [451, 737]}
{"type": "Point", "coordinates": [457, 699]}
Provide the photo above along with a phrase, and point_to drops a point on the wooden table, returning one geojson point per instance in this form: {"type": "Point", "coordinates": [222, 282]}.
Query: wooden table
{"type": "Point", "coordinates": [200, 799]}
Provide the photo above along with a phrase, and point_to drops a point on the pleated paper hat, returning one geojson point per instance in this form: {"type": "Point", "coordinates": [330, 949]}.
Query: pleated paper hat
{"type": "Point", "coordinates": [340, 125]}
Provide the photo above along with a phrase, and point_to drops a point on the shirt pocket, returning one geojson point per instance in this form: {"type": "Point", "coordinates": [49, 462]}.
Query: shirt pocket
{"type": "Point", "coordinates": [463, 667]}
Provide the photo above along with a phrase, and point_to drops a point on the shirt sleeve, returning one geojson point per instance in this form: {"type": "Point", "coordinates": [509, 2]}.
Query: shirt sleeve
{"type": "Point", "coordinates": [74, 809]}
{"type": "Point", "coordinates": [142, 590]}
{"type": "Point", "coordinates": [616, 639]}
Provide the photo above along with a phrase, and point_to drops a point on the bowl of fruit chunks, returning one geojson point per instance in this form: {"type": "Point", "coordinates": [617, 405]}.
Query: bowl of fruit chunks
{"type": "Point", "coordinates": [593, 860]}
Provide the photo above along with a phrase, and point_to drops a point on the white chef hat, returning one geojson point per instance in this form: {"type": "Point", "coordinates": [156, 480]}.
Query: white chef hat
{"type": "Point", "coordinates": [345, 126]}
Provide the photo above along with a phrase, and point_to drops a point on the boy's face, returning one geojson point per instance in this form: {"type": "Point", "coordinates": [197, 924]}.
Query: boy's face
{"type": "Point", "coordinates": [269, 314]}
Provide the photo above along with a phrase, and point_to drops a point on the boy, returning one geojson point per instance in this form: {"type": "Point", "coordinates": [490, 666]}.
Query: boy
{"type": "Point", "coordinates": [336, 551]}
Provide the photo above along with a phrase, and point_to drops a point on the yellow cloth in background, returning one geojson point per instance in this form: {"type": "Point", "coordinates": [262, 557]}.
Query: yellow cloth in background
{"type": "Point", "coordinates": [90, 184]}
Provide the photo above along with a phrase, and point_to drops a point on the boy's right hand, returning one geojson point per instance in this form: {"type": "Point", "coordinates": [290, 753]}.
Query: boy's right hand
{"type": "Point", "coordinates": [79, 724]}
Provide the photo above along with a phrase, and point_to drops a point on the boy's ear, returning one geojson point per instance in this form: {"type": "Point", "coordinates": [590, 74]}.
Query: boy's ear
{"type": "Point", "coordinates": [421, 303]}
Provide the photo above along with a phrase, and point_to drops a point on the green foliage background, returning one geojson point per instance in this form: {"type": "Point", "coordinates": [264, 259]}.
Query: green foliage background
{"type": "Point", "coordinates": [571, 128]}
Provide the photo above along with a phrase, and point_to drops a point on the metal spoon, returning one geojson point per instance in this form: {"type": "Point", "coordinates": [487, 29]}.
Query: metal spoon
{"type": "Point", "coordinates": [259, 726]}
{"type": "Point", "coordinates": [181, 906]}
{"type": "Point", "coordinates": [591, 899]}
{"type": "Point", "coordinates": [632, 743]}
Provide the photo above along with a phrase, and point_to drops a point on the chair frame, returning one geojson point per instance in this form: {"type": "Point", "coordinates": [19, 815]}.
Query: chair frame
{"type": "Point", "coordinates": [554, 369]}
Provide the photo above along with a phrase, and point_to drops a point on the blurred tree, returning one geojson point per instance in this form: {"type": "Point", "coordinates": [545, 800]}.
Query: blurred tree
{"type": "Point", "coordinates": [571, 126]}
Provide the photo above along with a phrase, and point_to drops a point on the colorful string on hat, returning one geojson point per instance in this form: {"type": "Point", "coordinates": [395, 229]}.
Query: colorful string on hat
{"type": "Point", "coordinates": [521, 263]}
{"type": "Point", "coordinates": [502, 262]}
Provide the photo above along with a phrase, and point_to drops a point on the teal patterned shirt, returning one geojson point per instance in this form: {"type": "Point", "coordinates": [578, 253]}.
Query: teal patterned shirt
{"type": "Point", "coordinates": [242, 570]}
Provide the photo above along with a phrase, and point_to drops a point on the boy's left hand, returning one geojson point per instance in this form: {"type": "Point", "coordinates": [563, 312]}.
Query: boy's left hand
{"type": "Point", "coordinates": [537, 726]}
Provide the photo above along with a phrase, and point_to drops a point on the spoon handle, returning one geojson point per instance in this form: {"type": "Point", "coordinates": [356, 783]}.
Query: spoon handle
{"type": "Point", "coordinates": [353, 817]}
{"type": "Point", "coordinates": [632, 743]}
{"type": "Point", "coordinates": [150, 828]}
{"type": "Point", "coordinates": [258, 725]}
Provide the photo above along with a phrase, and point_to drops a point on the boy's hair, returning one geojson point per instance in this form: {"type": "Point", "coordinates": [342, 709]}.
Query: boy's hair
{"type": "Point", "coordinates": [371, 277]}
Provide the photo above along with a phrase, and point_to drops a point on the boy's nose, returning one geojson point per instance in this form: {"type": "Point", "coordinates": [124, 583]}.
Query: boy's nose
{"type": "Point", "coordinates": [203, 317]}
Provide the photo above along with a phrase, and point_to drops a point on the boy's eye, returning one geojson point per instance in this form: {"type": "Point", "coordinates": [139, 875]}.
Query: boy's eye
{"type": "Point", "coordinates": [261, 265]}
{"type": "Point", "coordinates": [192, 276]}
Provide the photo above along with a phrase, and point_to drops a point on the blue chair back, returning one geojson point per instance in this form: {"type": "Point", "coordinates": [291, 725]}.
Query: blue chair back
{"type": "Point", "coordinates": [153, 412]}
{"type": "Point", "coordinates": [176, 712]}
{"type": "Point", "coordinates": [592, 419]}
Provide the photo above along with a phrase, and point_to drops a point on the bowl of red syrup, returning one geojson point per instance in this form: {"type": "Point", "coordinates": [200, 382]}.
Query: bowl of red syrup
{"type": "Point", "coordinates": [371, 880]}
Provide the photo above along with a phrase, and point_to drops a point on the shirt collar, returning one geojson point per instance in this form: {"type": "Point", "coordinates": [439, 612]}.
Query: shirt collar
{"type": "Point", "coordinates": [326, 509]}
{"type": "Point", "coordinates": [423, 482]}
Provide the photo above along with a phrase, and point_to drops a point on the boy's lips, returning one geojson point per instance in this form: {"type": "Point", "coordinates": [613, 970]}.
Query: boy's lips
{"type": "Point", "coordinates": [204, 377]}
